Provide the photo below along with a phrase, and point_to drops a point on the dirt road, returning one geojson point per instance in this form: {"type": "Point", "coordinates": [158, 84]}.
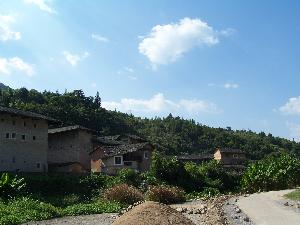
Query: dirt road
{"type": "Point", "coordinates": [268, 209]}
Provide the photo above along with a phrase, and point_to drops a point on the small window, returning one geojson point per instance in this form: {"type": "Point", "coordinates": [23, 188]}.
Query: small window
{"type": "Point", "coordinates": [235, 156]}
{"type": "Point", "coordinates": [13, 135]}
{"type": "Point", "coordinates": [7, 135]}
{"type": "Point", "coordinates": [13, 122]}
{"type": "Point", "coordinates": [24, 124]}
{"type": "Point", "coordinates": [13, 159]}
{"type": "Point", "coordinates": [33, 138]}
{"type": "Point", "coordinates": [2, 120]}
{"type": "Point", "coordinates": [23, 137]}
{"type": "Point", "coordinates": [38, 165]}
{"type": "Point", "coordinates": [34, 125]}
{"type": "Point", "coordinates": [118, 160]}
{"type": "Point", "coordinates": [146, 155]}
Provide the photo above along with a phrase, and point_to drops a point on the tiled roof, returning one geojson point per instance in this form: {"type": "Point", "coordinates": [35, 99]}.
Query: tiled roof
{"type": "Point", "coordinates": [25, 113]}
{"type": "Point", "coordinates": [118, 139]}
{"type": "Point", "coordinates": [68, 128]}
{"type": "Point", "coordinates": [195, 157]}
{"type": "Point", "coordinates": [229, 150]}
{"type": "Point", "coordinates": [123, 149]}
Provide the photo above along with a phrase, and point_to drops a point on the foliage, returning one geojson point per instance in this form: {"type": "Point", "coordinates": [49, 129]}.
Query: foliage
{"type": "Point", "coordinates": [294, 195]}
{"type": "Point", "coordinates": [128, 176]}
{"type": "Point", "coordinates": [11, 186]}
{"type": "Point", "coordinates": [123, 193]}
{"type": "Point", "coordinates": [193, 177]}
{"type": "Point", "coordinates": [24, 209]}
{"type": "Point", "coordinates": [206, 193]}
{"type": "Point", "coordinates": [174, 134]}
{"type": "Point", "coordinates": [166, 194]}
{"type": "Point", "coordinates": [272, 173]}
{"type": "Point", "coordinates": [92, 208]}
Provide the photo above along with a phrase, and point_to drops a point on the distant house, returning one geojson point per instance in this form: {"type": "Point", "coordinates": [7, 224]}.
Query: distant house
{"type": "Point", "coordinates": [195, 158]}
{"type": "Point", "coordinates": [121, 151]}
{"type": "Point", "coordinates": [23, 140]}
{"type": "Point", "coordinates": [230, 157]}
{"type": "Point", "coordinates": [69, 149]}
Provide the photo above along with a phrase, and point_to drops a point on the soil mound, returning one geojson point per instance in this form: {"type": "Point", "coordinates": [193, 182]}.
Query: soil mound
{"type": "Point", "coordinates": [152, 213]}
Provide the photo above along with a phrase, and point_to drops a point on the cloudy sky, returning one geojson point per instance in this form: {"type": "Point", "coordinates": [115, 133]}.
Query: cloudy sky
{"type": "Point", "coordinates": [222, 63]}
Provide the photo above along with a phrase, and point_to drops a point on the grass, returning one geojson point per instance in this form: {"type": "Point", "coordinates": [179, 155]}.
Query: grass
{"type": "Point", "coordinates": [294, 195]}
{"type": "Point", "coordinates": [21, 210]}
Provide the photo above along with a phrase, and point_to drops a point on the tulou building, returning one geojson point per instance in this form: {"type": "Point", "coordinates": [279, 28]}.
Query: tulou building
{"type": "Point", "coordinates": [23, 140]}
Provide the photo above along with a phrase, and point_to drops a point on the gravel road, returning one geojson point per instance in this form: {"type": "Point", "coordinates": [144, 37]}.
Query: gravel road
{"type": "Point", "coordinates": [268, 209]}
{"type": "Point", "coordinates": [97, 219]}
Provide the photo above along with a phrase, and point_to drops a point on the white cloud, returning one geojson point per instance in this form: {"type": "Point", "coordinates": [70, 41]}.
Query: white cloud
{"type": "Point", "coordinates": [73, 59]}
{"type": "Point", "coordinates": [231, 85]}
{"type": "Point", "coordinates": [7, 66]}
{"type": "Point", "coordinates": [292, 107]}
{"type": "Point", "coordinates": [100, 38]}
{"type": "Point", "coordinates": [167, 43]}
{"type": "Point", "coordinates": [159, 104]}
{"type": "Point", "coordinates": [6, 33]}
{"type": "Point", "coordinates": [42, 5]}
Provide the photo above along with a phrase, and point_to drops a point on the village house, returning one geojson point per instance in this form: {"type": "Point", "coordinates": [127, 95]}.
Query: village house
{"type": "Point", "coordinates": [229, 157]}
{"type": "Point", "coordinates": [69, 149]}
{"type": "Point", "coordinates": [23, 140]}
{"type": "Point", "coordinates": [121, 151]}
{"type": "Point", "coordinates": [233, 158]}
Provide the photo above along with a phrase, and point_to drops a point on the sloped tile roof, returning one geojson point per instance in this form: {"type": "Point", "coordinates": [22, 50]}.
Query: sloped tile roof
{"type": "Point", "coordinates": [19, 112]}
{"type": "Point", "coordinates": [68, 128]}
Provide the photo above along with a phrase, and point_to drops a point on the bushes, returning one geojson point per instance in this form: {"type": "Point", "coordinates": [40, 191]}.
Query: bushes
{"type": "Point", "coordinates": [165, 194]}
{"type": "Point", "coordinates": [272, 173]}
{"type": "Point", "coordinates": [192, 177]}
{"type": "Point", "coordinates": [123, 193]}
{"type": "Point", "coordinates": [24, 209]}
{"type": "Point", "coordinates": [128, 176]}
{"type": "Point", "coordinates": [92, 208]}
{"type": "Point", "coordinates": [11, 186]}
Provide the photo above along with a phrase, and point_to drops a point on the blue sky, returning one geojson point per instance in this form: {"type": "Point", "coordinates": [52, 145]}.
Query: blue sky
{"type": "Point", "coordinates": [222, 63]}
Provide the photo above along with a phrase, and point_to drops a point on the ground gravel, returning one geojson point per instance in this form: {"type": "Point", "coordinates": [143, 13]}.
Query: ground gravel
{"type": "Point", "coordinates": [96, 219]}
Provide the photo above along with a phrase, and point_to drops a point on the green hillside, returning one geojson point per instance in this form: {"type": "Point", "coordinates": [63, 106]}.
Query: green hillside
{"type": "Point", "coordinates": [174, 134]}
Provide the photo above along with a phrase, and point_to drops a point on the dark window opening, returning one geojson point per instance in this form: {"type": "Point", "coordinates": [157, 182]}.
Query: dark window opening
{"type": "Point", "coordinates": [13, 135]}
{"type": "Point", "coordinates": [33, 138]}
{"type": "Point", "coordinates": [13, 160]}
{"type": "Point", "coordinates": [34, 125]}
{"type": "Point", "coordinates": [118, 160]}
{"type": "Point", "coordinates": [23, 137]}
{"type": "Point", "coordinates": [7, 135]}
{"type": "Point", "coordinates": [38, 165]}
{"type": "Point", "coordinates": [24, 124]}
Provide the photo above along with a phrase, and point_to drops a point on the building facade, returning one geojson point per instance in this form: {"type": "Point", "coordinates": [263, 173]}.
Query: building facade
{"type": "Point", "coordinates": [23, 141]}
{"type": "Point", "coordinates": [71, 144]}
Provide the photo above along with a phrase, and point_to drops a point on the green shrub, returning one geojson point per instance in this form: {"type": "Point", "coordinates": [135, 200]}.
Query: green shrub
{"type": "Point", "coordinates": [206, 193]}
{"type": "Point", "coordinates": [11, 186]}
{"type": "Point", "coordinates": [128, 176]}
{"type": "Point", "coordinates": [21, 210]}
{"type": "Point", "coordinates": [272, 173]}
{"type": "Point", "coordinates": [92, 208]}
{"type": "Point", "coordinates": [123, 193]}
{"type": "Point", "coordinates": [165, 194]}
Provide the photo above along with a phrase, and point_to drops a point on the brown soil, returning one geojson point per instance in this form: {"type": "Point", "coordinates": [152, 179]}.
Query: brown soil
{"type": "Point", "coordinates": [152, 213]}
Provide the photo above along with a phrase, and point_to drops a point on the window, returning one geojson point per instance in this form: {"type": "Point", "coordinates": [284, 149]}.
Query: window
{"type": "Point", "coordinates": [24, 124]}
{"type": "Point", "coordinates": [13, 159]}
{"type": "Point", "coordinates": [118, 160]}
{"type": "Point", "coordinates": [38, 165]}
{"type": "Point", "coordinates": [13, 122]}
{"type": "Point", "coordinates": [23, 137]}
{"type": "Point", "coordinates": [33, 138]}
{"type": "Point", "coordinates": [235, 156]}
{"type": "Point", "coordinates": [13, 135]}
{"type": "Point", "coordinates": [34, 125]}
{"type": "Point", "coordinates": [146, 155]}
{"type": "Point", "coordinates": [7, 135]}
{"type": "Point", "coordinates": [2, 120]}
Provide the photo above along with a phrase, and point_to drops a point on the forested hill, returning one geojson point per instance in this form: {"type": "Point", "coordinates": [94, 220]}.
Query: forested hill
{"type": "Point", "coordinates": [175, 135]}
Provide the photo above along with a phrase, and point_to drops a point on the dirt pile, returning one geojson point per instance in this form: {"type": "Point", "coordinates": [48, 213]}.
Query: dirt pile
{"type": "Point", "coordinates": [152, 213]}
